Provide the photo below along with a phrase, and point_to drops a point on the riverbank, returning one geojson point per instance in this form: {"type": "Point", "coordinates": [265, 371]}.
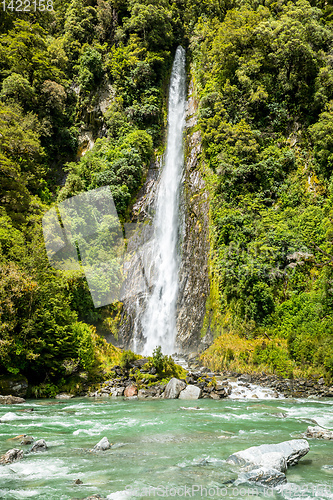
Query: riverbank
{"type": "Point", "coordinates": [210, 385]}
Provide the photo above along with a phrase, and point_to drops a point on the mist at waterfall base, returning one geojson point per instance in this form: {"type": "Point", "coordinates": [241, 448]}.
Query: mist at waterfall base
{"type": "Point", "coordinates": [159, 319]}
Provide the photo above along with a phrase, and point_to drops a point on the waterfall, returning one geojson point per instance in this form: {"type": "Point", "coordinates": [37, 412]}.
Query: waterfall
{"type": "Point", "coordinates": [159, 320]}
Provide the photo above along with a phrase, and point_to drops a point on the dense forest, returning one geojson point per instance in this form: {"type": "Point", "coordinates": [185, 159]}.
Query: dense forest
{"type": "Point", "coordinates": [263, 78]}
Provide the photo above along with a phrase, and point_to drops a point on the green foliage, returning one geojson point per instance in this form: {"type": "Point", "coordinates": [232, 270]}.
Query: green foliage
{"type": "Point", "coordinates": [127, 358]}
{"type": "Point", "coordinates": [165, 365]}
{"type": "Point", "coordinates": [119, 163]}
{"type": "Point", "coordinates": [90, 69]}
{"type": "Point", "coordinates": [275, 358]}
{"type": "Point", "coordinates": [265, 92]}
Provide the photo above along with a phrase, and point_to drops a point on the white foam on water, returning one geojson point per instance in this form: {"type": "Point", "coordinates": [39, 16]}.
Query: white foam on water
{"type": "Point", "coordinates": [252, 391]}
{"type": "Point", "coordinates": [323, 417]}
{"type": "Point", "coordinates": [97, 429]}
{"type": "Point", "coordinates": [121, 495]}
{"type": "Point", "coordinates": [43, 468]}
{"type": "Point", "coordinates": [8, 417]}
{"type": "Point", "coordinates": [17, 494]}
{"type": "Point", "coordinates": [145, 424]}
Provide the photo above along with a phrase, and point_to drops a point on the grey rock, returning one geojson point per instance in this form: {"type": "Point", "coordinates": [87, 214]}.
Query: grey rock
{"type": "Point", "coordinates": [319, 433]}
{"type": "Point", "coordinates": [102, 445]}
{"type": "Point", "coordinates": [173, 388]}
{"type": "Point", "coordinates": [11, 400]}
{"type": "Point", "coordinates": [190, 392]}
{"type": "Point", "coordinates": [39, 445]}
{"type": "Point", "coordinates": [265, 476]}
{"type": "Point", "coordinates": [11, 456]}
{"type": "Point", "coordinates": [13, 385]}
{"type": "Point", "coordinates": [27, 440]}
{"type": "Point", "coordinates": [64, 395]}
{"type": "Point", "coordinates": [278, 456]}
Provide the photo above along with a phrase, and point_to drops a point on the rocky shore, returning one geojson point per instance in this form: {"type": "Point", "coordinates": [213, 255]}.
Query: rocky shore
{"type": "Point", "coordinates": [218, 386]}
{"type": "Point", "coordinates": [198, 383]}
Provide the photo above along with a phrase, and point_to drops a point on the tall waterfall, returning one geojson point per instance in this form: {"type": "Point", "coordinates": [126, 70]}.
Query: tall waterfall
{"type": "Point", "coordinates": [159, 320]}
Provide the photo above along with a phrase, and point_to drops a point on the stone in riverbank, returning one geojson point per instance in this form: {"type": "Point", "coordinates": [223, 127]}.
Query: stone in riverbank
{"type": "Point", "coordinates": [11, 400]}
{"type": "Point", "coordinates": [319, 433]}
{"type": "Point", "coordinates": [64, 395]}
{"type": "Point", "coordinates": [190, 392]}
{"type": "Point", "coordinates": [11, 456]}
{"type": "Point", "coordinates": [130, 391]}
{"type": "Point", "coordinates": [173, 388]}
{"type": "Point", "coordinates": [278, 456]}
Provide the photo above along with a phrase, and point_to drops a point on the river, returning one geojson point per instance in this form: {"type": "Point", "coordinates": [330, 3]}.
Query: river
{"type": "Point", "coordinates": [158, 444]}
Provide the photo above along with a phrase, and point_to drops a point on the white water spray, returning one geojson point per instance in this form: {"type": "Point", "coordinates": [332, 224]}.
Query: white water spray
{"type": "Point", "coordinates": [159, 321]}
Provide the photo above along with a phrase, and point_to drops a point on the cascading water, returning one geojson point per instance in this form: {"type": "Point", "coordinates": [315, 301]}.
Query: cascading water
{"type": "Point", "coordinates": [159, 320]}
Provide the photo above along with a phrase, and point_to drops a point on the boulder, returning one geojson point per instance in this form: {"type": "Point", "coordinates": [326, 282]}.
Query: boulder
{"type": "Point", "coordinates": [131, 390]}
{"type": "Point", "coordinates": [190, 392]}
{"type": "Point", "coordinates": [277, 456]}
{"type": "Point", "coordinates": [262, 475]}
{"type": "Point", "coordinates": [11, 400]}
{"type": "Point", "coordinates": [27, 440]}
{"type": "Point", "coordinates": [39, 445]}
{"type": "Point", "coordinates": [64, 395]}
{"type": "Point", "coordinates": [319, 433]}
{"type": "Point", "coordinates": [102, 445]}
{"type": "Point", "coordinates": [13, 385]}
{"type": "Point", "coordinates": [173, 388]}
{"type": "Point", "coordinates": [11, 456]}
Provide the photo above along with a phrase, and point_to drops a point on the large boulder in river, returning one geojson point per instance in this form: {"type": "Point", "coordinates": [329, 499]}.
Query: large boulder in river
{"type": "Point", "coordinates": [319, 433]}
{"type": "Point", "coordinates": [11, 456]}
{"type": "Point", "coordinates": [190, 392]}
{"type": "Point", "coordinates": [277, 456]}
{"type": "Point", "coordinates": [173, 388]}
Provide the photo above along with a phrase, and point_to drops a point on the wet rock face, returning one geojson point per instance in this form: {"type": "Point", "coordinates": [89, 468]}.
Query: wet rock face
{"type": "Point", "coordinates": [319, 433]}
{"type": "Point", "coordinates": [194, 250]}
{"type": "Point", "coordinates": [193, 273]}
{"type": "Point", "coordinates": [11, 456]}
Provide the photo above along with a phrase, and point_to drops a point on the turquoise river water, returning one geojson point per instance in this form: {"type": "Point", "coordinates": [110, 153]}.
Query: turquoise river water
{"type": "Point", "coordinates": [159, 449]}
